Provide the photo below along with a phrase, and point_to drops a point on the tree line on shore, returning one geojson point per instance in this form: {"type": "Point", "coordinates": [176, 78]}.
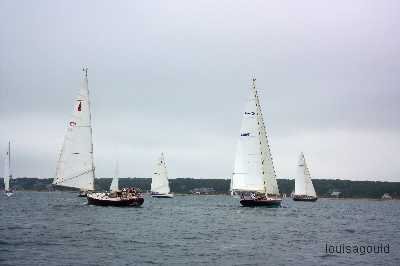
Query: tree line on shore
{"type": "Point", "coordinates": [323, 187]}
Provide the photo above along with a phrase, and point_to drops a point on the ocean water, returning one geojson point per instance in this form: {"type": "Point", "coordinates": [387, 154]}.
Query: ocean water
{"type": "Point", "coordinates": [58, 228]}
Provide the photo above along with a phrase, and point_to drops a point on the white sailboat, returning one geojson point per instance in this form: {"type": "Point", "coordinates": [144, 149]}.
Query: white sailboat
{"type": "Point", "coordinates": [254, 176]}
{"type": "Point", "coordinates": [303, 187]}
{"type": "Point", "coordinates": [159, 181]}
{"type": "Point", "coordinates": [75, 166]}
{"type": "Point", "coordinates": [7, 171]}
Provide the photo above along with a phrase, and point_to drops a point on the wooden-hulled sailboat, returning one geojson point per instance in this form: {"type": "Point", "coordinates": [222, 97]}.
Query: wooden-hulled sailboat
{"type": "Point", "coordinates": [7, 171]}
{"type": "Point", "coordinates": [75, 166]}
{"type": "Point", "coordinates": [127, 197]}
{"type": "Point", "coordinates": [303, 186]}
{"type": "Point", "coordinates": [254, 177]}
{"type": "Point", "coordinates": [159, 181]}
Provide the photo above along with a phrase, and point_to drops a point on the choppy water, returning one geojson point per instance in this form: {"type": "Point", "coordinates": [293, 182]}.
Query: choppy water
{"type": "Point", "coordinates": [61, 229]}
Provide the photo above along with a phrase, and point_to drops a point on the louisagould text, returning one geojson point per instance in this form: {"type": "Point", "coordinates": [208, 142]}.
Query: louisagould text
{"type": "Point", "coordinates": [357, 249]}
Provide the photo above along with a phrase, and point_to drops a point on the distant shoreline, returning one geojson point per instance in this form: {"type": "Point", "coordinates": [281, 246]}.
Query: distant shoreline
{"type": "Point", "coordinates": [343, 189]}
{"type": "Point", "coordinates": [216, 194]}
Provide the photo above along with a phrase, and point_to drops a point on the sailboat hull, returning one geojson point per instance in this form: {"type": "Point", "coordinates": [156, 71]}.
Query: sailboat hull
{"type": "Point", "coordinates": [265, 202]}
{"type": "Point", "coordinates": [83, 193]}
{"type": "Point", "coordinates": [165, 196]}
{"type": "Point", "coordinates": [9, 193]}
{"type": "Point", "coordinates": [118, 202]}
{"type": "Point", "coordinates": [304, 198]}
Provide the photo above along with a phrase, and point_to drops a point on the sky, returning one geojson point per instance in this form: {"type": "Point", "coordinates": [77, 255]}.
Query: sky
{"type": "Point", "coordinates": [173, 77]}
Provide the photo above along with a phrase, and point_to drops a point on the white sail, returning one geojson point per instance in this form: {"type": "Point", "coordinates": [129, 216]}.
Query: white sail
{"type": "Point", "coordinates": [159, 182]}
{"type": "Point", "coordinates": [75, 167]}
{"type": "Point", "coordinates": [114, 183]}
{"type": "Point", "coordinates": [268, 169]}
{"type": "Point", "coordinates": [303, 183]}
{"type": "Point", "coordinates": [254, 169]}
{"type": "Point", "coordinates": [7, 169]}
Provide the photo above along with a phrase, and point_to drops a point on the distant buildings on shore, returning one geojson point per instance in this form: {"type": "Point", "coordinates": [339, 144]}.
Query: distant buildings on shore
{"type": "Point", "coordinates": [203, 191]}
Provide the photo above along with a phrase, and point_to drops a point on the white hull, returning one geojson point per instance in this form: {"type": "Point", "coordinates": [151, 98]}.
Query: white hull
{"type": "Point", "coordinates": [163, 196]}
{"type": "Point", "coordinates": [9, 194]}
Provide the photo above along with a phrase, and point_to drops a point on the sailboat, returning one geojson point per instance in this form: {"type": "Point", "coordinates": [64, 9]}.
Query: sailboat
{"type": "Point", "coordinates": [126, 197]}
{"type": "Point", "coordinates": [254, 177]}
{"type": "Point", "coordinates": [159, 182]}
{"type": "Point", "coordinates": [7, 171]}
{"type": "Point", "coordinates": [303, 187]}
{"type": "Point", "coordinates": [75, 166]}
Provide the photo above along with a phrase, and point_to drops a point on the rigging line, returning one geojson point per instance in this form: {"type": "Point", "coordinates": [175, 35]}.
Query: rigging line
{"type": "Point", "coordinates": [81, 174]}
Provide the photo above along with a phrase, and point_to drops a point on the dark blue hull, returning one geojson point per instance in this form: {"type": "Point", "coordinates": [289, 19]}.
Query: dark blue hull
{"type": "Point", "coordinates": [270, 203]}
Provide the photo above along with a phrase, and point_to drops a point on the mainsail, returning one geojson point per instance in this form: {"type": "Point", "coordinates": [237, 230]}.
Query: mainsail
{"type": "Point", "coordinates": [159, 182]}
{"type": "Point", "coordinates": [114, 183]}
{"type": "Point", "coordinates": [303, 183]}
{"type": "Point", "coordinates": [75, 166]}
{"type": "Point", "coordinates": [254, 169]}
{"type": "Point", "coordinates": [7, 169]}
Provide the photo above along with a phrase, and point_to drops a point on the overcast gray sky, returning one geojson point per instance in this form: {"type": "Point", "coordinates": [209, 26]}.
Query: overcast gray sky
{"type": "Point", "coordinates": [173, 76]}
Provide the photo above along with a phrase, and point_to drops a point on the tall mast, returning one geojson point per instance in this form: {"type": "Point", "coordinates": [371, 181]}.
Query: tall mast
{"type": "Point", "coordinates": [9, 158]}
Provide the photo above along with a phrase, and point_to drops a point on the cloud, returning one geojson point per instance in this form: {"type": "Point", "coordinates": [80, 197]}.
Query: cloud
{"type": "Point", "coordinates": [174, 77]}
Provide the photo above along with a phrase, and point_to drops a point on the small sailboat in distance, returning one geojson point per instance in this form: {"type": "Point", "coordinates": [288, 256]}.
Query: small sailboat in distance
{"type": "Point", "coordinates": [75, 166]}
{"type": "Point", "coordinates": [254, 177]}
{"type": "Point", "coordinates": [303, 186]}
{"type": "Point", "coordinates": [159, 182]}
{"type": "Point", "coordinates": [7, 171]}
{"type": "Point", "coordinates": [114, 187]}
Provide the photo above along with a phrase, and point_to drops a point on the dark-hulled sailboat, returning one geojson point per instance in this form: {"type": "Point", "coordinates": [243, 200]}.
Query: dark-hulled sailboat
{"type": "Point", "coordinates": [254, 177]}
{"type": "Point", "coordinates": [127, 197]}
